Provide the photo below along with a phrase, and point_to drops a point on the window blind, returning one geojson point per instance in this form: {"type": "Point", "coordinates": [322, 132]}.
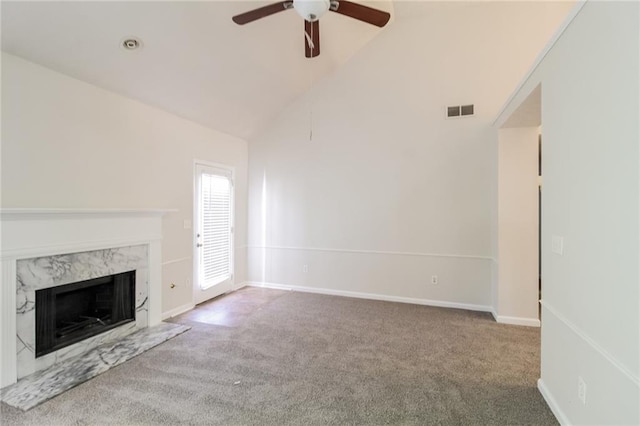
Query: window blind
{"type": "Point", "coordinates": [216, 228]}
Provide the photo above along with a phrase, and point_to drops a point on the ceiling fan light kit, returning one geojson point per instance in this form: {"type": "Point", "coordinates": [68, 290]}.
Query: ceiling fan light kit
{"type": "Point", "coordinates": [311, 11]}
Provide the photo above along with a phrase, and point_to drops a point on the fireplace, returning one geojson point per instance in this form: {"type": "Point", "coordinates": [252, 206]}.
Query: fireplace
{"type": "Point", "coordinates": [73, 312]}
{"type": "Point", "coordinates": [47, 248]}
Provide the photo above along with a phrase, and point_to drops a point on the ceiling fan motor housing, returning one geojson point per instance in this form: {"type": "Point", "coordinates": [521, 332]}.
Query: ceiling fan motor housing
{"type": "Point", "coordinates": [311, 10]}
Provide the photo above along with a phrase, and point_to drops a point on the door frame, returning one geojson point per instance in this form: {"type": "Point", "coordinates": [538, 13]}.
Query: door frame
{"type": "Point", "coordinates": [195, 288]}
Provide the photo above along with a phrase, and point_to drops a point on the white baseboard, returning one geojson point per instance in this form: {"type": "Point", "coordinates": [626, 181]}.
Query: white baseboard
{"type": "Point", "coordinates": [551, 402]}
{"type": "Point", "coordinates": [189, 306]}
{"type": "Point", "coordinates": [502, 319]}
{"type": "Point", "coordinates": [239, 286]}
{"type": "Point", "coordinates": [372, 296]}
{"type": "Point", "coordinates": [177, 311]}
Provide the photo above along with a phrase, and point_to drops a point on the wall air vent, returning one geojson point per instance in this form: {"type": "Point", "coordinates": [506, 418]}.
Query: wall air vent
{"type": "Point", "coordinates": [460, 111]}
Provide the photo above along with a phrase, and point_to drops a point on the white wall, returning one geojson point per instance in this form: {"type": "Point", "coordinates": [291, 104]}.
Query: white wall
{"type": "Point", "coordinates": [591, 293]}
{"type": "Point", "coordinates": [69, 144]}
{"type": "Point", "coordinates": [517, 285]}
{"type": "Point", "coordinates": [390, 192]}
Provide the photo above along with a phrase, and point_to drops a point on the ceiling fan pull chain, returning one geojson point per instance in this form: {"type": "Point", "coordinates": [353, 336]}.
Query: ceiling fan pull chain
{"type": "Point", "coordinates": [311, 106]}
{"type": "Point", "coordinates": [311, 46]}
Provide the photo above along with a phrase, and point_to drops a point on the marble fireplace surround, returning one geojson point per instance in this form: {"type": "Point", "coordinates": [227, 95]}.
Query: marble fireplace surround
{"type": "Point", "coordinates": [53, 271]}
{"type": "Point", "coordinates": [49, 247]}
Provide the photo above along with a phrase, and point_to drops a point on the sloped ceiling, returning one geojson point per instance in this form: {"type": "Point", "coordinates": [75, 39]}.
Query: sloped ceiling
{"type": "Point", "coordinates": [198, 64]}
{"type": "Point", "coordinates": [195, 62]}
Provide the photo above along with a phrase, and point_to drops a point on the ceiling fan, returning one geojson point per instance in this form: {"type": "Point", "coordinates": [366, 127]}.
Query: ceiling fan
{"type": "Point", "coordinates": [311, 11]}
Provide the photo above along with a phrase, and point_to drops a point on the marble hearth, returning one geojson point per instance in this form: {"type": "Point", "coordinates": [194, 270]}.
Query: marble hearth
{"type": "Point", "coordinates": [51, 247]}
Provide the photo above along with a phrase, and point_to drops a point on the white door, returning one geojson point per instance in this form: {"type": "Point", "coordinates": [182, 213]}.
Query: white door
{"type": "Point", "coordinates": [213, 232]}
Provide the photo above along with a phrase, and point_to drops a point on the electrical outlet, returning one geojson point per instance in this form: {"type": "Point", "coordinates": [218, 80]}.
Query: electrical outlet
{"type": "Point", "coordinates": [582, 391]}
{"type": "Point", "coordinates": [434, 279]}
{"type": "Point", "coordinates": [305, 268]}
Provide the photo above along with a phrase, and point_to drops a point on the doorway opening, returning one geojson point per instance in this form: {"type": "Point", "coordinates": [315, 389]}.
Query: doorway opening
{"type": "Point", "coordinates": [518, 287]}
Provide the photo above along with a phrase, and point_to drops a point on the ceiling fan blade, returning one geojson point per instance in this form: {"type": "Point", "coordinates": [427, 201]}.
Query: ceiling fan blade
{"type": "Point", "coordinates": [362, 13]}
{"type": "Point", "coordinates": [311, 39]}
{"type": "Point", "coordinates": [261, 12]}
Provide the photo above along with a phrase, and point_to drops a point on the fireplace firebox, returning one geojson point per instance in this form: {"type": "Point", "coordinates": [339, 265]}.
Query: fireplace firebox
{"type": "Point", "coordinates": [70, 313]}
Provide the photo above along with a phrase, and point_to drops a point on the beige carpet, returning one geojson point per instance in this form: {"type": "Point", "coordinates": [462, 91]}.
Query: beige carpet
{"type": "Point", "coordinates": [267, 357]}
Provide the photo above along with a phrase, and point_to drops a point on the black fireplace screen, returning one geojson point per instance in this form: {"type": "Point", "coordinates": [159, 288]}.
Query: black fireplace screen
{"type": "Point", "coordinates": [70, 313]}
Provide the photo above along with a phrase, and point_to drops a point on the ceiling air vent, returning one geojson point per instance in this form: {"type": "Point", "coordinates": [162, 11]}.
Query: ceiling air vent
{"type": "Point", "coordinates": [459, 111]}
{"type": "Point", "coordinates": [453, 111]}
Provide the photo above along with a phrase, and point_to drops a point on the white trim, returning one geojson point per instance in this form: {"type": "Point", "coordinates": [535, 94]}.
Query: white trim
{"type": "Point", "coordinates": [494, 314]}
{"type": "Point", "coordinates": [241, 285]}
{"type": "Point", "coordinates": [502, 319]}
{"type": "Point", "coordinates": [8, 349]}
{"type": "Point", "coordinates": [589, 341]}
{"type": "Point", "coordinates": [228, 284]}
{"type": "Point", "coordinates": [29, 252]}
{"type": "Point", "coordinates": [553, 405]}
{"type": "Point", "coordinates": [500, 120]}
{"type": "Point", "coordinates": [177, 311]}
{"type": "Point", "coordinates": [37, 213]}
{"type": "Point", "coordinates": [371, 296]}
{"type": "Point", "coordinates": [216, 165]}
{"type": "Point", "coordinates": [392, 253]}
{"type": "Point", "coordinates": [529, 322]}
{"type": "Point", "coordinates": [172, 261]}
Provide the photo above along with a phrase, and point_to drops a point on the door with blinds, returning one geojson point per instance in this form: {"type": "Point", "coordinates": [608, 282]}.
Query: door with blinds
{"type": "Point", "coordinates": [213, 232]}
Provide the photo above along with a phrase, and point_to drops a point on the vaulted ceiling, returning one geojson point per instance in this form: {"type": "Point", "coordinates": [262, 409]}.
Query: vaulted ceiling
{"type": "Point", "coordinates": [195, 62]}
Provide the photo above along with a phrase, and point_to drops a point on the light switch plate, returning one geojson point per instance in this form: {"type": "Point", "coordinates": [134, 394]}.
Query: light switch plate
{"type": "Point", "coordinates": [557, 244]}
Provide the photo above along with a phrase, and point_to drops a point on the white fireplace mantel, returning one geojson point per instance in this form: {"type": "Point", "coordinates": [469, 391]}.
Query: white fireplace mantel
{"type": "Point", "coordinates": [30, 233]}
